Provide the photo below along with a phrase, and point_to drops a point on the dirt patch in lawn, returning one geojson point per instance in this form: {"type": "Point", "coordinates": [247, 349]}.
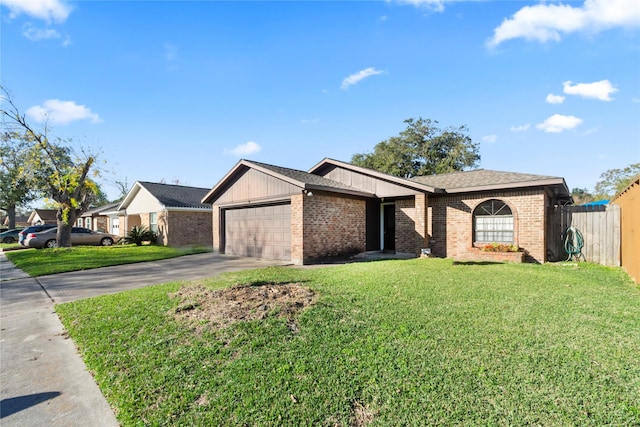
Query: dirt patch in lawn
{"type": "Point", "coordinates": [202, 307]}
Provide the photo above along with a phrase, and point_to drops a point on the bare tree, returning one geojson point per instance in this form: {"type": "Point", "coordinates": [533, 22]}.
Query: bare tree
{"type": "Point", "coordinates": [55, 171]}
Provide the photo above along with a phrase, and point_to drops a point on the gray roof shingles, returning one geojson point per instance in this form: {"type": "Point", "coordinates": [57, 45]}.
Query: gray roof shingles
{"type": "Point", "coordinates": [177, 196]}
{"type": "Point", "coordinates": [479, 178]}
{"type": "Point", "coordinates": [305, 177]}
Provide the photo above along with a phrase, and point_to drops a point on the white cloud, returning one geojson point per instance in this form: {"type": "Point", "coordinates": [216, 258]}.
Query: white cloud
{"type": "Point", "coordinates": [546, 22]}
{"type": "Point", "coordinates": [47, 10]}
{"type": "Point", "coordinates": [555, 99]}
{"type": "Point", "coordinates": [357, 77]}
{"type": "Point", "coordinates": [38, 34]}
{"type": "Point", "coordinates": [61, 112]}
{"type": "Point", "coordinates": [558, 123]}
{"type": "Point", "coordinates": [436, 5]}
{"type": "Point", "coordinates": [490, 138]}
{"type": "Point", "coordinates": [601, 90]}
{"type": "Point", "coordinates": [245, 149]}
{"type": "Point", "coordinates": [521, 128]}
{"type": "Point", "coordinates": [635, 100]}
{"type": "Point", "coordinates": [310, 121]}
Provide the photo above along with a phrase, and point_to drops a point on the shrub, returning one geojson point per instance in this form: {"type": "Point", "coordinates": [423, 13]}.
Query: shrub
{"type": "Point", "coordinates": [500, 247]}
{"type": "Point", "coordinates": [139, 235]}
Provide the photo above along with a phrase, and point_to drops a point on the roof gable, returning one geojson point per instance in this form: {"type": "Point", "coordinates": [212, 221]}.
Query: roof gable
{"type": "Point", "coordinates": [327, 165]}
{"type": "Point", "coordinates": [45, 215]}
{"type": "Point", "coordinates": [297, 178]}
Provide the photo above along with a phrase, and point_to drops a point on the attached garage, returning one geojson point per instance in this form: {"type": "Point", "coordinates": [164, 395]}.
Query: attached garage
{"type": "Point", "coordinates": [258, 231]}
{"type": "Point", "coordinates": [271, 212]}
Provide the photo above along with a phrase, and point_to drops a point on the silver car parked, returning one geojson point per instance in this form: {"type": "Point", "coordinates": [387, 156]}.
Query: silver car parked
{"type": "Point", "coordinates": [79, 236]}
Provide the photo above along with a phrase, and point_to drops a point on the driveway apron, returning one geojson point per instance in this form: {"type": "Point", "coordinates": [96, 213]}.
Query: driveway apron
{"type": "Point", "coordinates": [43, 380]}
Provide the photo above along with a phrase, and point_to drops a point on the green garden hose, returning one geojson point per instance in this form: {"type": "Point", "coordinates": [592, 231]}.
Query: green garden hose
{"type": "Point", "coordinates": [573, 243]}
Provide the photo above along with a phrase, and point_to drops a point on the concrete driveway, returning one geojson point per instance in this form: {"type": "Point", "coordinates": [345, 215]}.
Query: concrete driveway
{"type": "Point", "coordinates": [43, 380]}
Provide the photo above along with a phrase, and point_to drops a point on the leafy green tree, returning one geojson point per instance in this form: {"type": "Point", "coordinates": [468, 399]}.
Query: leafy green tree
{"type": "Point", "coordinates": [422, 149]}
{"type": "Point", "coordinates": [614, 181]}
{"type": "Point", "coordinates": [15, 189]}
{"type": "Point", "coordinates": [53, 169]}
{"type": "Point", "coordinates": [581, 196]}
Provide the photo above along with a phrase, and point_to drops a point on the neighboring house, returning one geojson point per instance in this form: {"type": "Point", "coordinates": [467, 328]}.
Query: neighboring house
{"type": "Point", "coordinates": [96, 219]}
{"type": "Point", "coordinates": [174, 212]}
{"type": "Point", "coordinates": [21, 221]}
{"type": "Point", "coordinates": [336, 208]}
{"type": "Point", "coordinates": [43, 216]}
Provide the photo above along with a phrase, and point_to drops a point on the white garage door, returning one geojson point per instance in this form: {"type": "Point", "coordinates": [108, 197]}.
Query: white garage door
{"type": "Point", "coordinates": [261, 232]}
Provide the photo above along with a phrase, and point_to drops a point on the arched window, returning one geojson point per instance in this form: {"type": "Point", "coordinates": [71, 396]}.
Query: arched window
{"type": "Point", "coordinates": [493, 222]}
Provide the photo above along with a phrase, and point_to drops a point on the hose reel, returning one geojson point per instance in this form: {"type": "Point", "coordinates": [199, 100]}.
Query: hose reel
{"type": "Point", "coordinates": [573, 244]}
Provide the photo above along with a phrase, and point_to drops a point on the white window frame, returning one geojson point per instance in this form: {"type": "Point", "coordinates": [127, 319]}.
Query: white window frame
{"type": "Point", "coordinates": [153, 221]}
{"type": "Point", "coordinates": [493, 222]}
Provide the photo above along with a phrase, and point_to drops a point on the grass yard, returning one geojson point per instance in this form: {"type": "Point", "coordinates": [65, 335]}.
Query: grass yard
{"type": "Point", "coordinates": [9, 245]}
{"type": "Point", "coordinates": [389, 343]}
{"type": "Point", "coordinates": [40, 262]}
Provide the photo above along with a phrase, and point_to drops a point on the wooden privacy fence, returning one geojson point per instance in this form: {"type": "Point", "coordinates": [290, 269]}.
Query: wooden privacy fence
{"type": "Point", "coordinates": [599, 227]}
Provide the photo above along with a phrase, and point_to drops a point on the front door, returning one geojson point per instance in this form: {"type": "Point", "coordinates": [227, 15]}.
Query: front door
{"type": "Point", "coordinates": [389, 227]}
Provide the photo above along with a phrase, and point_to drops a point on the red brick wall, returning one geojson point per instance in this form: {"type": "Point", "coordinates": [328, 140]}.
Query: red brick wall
{"type": "Point", "coordinates": [331, 225]}
{"type": "Point", "coordinates": [186, 228]}
{"type": "Point", "coordinates": [411, 224]}
{"type": "Point", "coordinates": [451, 228]}
{"type": "Point", "coordinates": [101, 223]}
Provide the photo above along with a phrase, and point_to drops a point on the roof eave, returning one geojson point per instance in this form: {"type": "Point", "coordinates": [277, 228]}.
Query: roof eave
{"type": "Point", "coordinates": [277, 175]}
{"type": "Point", "coordinates": [315, 187]}
{"type": "Point", "coordinates": [512, 185]}
{"type": "Point", "coordinates": [187, 209]}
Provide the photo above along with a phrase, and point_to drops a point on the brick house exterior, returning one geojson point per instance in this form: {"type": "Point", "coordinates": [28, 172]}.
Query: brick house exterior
{"type": "Point", "coordinates": [337, 208]}
{"type": "Point", "coordinates": [174, 212]}
{"type": "Point", "coordinates": [452, 223]}
{"type": "Point", "coordinates": [330, 225]}
{"type": "Point", "coordinates": [96, 219]}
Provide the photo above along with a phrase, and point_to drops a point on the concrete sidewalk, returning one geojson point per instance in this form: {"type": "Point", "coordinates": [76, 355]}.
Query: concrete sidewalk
{"type": "Point", "coordinates": [43, 380]}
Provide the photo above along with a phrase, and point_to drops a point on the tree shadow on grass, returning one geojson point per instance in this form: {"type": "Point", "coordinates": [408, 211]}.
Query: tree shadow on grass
{"type": "Point", "coordinates": [12, 405]}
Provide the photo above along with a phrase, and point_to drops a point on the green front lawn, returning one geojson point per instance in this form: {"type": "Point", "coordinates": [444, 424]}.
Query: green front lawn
{"type": "Point", "coordinates": [390, 343]}
{"type": "Point", "coordinates": [40, 262]}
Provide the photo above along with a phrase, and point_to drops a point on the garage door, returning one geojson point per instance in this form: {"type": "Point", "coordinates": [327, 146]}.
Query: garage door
{"type": "Point", "coordinates": [262, 232]}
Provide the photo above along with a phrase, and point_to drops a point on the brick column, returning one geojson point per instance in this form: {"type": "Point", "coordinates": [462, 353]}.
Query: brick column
{"type": "Point", "coordinates": [215, 225]}
{"type": "Point", "coordinates": [422, 222]}
{"type": "Point", "coordinates": [297, 228]}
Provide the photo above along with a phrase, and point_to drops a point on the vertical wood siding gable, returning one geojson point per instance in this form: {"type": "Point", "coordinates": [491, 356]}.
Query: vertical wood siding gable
{"type": "Point", "coordinates": [254, 185]}
{"type": "Point", "coordinates": [368, 183]}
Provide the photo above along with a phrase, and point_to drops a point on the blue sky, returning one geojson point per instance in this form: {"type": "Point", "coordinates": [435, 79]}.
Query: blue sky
{"type": "Point", "coordinates": [180, 91]}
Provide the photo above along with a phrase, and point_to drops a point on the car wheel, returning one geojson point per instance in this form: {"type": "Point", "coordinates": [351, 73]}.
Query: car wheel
{"type": "Point", "coordinates": [51, 244]}
{"type": "Point", "coordinates": [8, 240]}
{"type": "Point", "coordinates": [107, 241]}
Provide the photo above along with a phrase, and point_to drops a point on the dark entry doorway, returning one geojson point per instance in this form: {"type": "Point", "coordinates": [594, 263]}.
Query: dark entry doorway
{"type": "Point", "coordinates": [389, 227]}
